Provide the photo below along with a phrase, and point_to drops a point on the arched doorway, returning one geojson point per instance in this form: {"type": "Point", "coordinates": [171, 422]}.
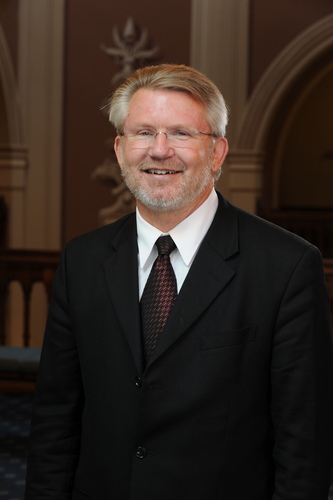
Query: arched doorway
{"type": "Point", "coordinates": [271, 136]}
{"type": "Point", "coordinates": [302, 159]}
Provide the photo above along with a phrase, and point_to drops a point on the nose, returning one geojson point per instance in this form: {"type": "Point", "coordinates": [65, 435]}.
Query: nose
{"type": "Point", "coordinates": [160, 147]}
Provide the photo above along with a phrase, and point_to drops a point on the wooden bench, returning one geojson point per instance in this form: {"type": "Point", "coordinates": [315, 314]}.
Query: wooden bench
{"type": "Point", "coordinates": [19, 363]}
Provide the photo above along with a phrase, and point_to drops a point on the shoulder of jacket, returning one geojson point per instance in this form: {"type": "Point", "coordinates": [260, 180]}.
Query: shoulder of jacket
{"type": "Point", "coordinates": [104, 235]}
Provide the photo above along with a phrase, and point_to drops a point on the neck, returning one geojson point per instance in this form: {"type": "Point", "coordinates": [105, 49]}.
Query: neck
{"type": "Point", "coordinates": [163, 221]}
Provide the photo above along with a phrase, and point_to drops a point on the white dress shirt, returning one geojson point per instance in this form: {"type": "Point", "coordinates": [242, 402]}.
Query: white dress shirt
{"type": "Point", "coordinates": [187, 236]}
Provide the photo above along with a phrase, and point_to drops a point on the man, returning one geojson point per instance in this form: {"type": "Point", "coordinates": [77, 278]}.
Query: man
{"type": "Point", "coordinates": [233, 399]}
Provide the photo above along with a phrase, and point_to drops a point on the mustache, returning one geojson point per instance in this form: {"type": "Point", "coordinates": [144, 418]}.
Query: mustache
{"type": "Point", "coordinates": [163, 164]}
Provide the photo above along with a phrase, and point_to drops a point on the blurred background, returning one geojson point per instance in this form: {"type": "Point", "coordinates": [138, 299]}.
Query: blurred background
{"type": "Point", "coordinates": [61, 60]}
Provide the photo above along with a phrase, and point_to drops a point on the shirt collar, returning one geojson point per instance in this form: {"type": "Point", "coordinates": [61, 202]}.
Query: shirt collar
{"type": "Point", "coordinates": [187, 235]}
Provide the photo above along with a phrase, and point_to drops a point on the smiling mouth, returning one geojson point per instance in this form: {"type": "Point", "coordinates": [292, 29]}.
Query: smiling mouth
{"type": "Point", "coordinates": [160, 172]}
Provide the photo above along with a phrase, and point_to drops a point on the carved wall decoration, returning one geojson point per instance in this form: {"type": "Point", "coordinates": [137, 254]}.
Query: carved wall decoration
{"type": "Point", "coordinates": [132, 51]}
{"type": "Point", "coordinates": [108, 173]}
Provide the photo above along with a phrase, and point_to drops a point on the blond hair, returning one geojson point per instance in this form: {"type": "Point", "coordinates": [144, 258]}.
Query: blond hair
{"type": "Point", "coordinates": [171, 77]}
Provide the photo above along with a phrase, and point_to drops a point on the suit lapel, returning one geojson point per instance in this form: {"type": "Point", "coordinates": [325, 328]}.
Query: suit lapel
{"type": "Point", "coordinates": [121, 270]}
{"type": "Point", "coordinates": [208, 276]}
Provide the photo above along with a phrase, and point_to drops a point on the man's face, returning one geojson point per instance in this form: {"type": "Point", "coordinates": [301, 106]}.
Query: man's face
{"type": "Point", "coordinates": [167, 175]}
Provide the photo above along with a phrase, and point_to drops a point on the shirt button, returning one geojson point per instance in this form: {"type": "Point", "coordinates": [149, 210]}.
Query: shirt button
{"type": "Point", "coordinates": [140, 452]}
{"type": "Point", "coordinates": [138, 382]}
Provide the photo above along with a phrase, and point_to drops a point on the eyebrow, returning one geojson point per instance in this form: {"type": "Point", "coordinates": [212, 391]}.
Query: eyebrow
{"type": "Point", "coordinates": [170, 127]}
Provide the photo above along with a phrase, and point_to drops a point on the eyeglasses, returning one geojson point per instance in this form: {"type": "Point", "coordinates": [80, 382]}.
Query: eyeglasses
{"type": "Point", "coordinates": [178, 138]}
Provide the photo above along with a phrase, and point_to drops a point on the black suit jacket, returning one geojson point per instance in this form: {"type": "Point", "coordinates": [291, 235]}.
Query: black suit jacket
{"type": "Point", "coordinates": [236, 401]}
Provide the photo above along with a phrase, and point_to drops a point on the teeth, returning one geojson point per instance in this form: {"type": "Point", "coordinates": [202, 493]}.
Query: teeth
{"type": "Point", "coordinates": [161, 172]}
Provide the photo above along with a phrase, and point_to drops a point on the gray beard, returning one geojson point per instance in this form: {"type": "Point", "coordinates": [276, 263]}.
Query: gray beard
{"type": "Point", "coordinates": [160, 203]}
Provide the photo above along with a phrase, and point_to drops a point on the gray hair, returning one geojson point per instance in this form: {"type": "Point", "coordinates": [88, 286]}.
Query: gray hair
{"type": "Point", "coordinates": [171, 77]}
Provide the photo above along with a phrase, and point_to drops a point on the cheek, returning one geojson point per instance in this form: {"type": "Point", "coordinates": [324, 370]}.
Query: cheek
{"type": "Point", "coordinates": [203, 156]}
{"type": "Point", "coordinates": [192, 157]}
{"type": "Point", "coordinates": [133, 158]}
{"type": "Point", "coordinates": [200, 159]}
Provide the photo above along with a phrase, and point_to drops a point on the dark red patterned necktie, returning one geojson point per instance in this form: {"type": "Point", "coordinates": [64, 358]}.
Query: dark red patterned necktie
{"type": "Point", "coordinates": [158, 296]}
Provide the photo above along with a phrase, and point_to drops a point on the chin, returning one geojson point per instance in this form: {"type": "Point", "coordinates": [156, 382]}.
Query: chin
{"type": "Point", "coordinates": [161, 204]}
{"type": "Point", "coordinates": [172, 199]}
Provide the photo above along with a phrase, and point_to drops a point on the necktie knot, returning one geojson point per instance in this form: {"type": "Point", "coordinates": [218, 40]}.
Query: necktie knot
{"type": "Point", "coordinates": [165, 245]}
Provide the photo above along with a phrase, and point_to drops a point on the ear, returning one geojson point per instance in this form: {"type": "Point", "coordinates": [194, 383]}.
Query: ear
{"type": "Point", "coordinates": [118, 149]}
{"type": "Point", "coordinates": [220, 151]}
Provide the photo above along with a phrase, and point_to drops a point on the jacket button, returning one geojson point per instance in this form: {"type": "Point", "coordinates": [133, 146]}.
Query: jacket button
{"type": "Point", "coordinates": [138, 382]}
{"type": "Point", "coordinates": [140, 452]}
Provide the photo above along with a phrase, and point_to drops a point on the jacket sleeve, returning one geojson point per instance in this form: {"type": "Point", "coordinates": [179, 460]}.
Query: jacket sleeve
{"type": "Point", "coordinates": [58, 402]}
{"type": "Point", "coordinates": [302, 389]}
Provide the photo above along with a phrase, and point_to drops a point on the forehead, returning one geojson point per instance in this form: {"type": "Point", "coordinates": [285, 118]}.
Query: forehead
{"type": "Point", "coordinates": [164, 107]}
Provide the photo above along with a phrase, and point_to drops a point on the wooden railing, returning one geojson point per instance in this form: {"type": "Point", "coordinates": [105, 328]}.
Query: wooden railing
{"type": "Point", "coordinates": [3, 222]}
{"type": "Point", "coordinates": [26, 267]}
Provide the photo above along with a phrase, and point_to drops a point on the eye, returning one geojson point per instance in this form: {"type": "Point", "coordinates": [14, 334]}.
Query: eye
{"type": "Point", "coordinates": [145, 133]}
{"type": "Point", "coordinates": [181, 134]}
